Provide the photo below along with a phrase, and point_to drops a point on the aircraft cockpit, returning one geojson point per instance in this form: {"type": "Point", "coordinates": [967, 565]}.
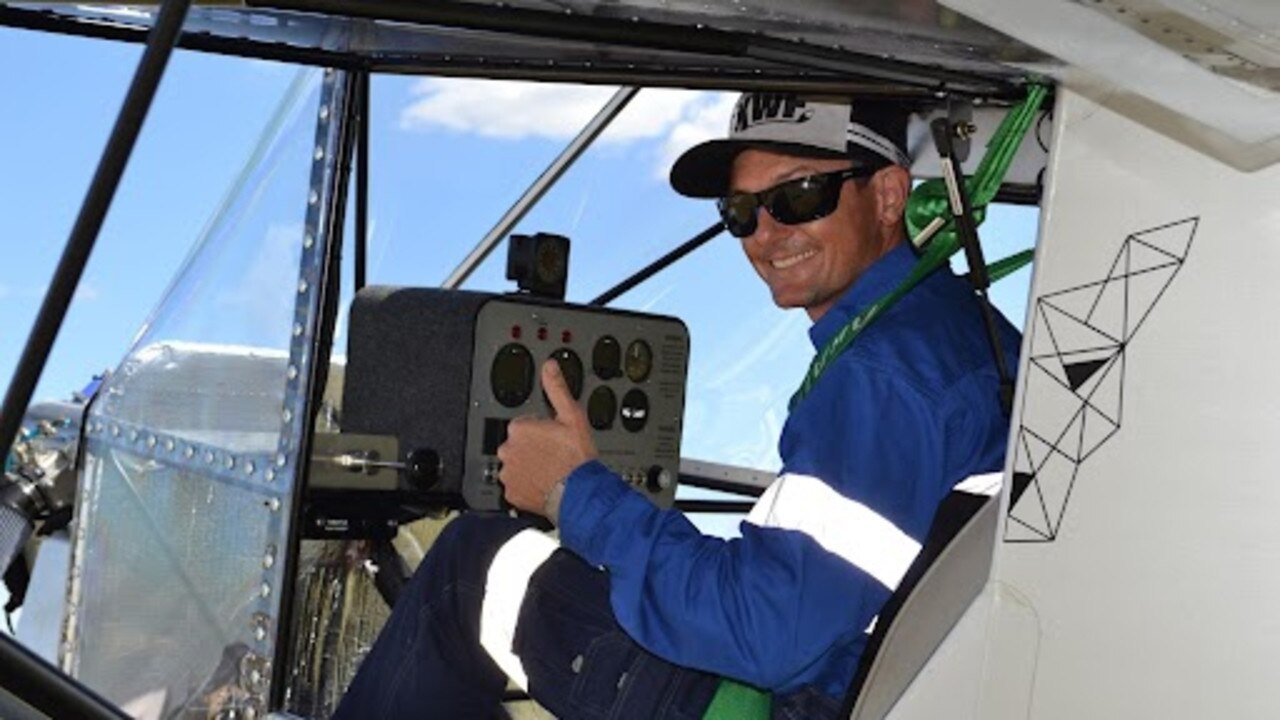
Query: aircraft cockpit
{"type": "Point", "coordinates": [218, 524]}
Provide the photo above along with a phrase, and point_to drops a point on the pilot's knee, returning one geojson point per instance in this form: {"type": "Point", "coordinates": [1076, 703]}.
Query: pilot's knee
{"type": "Point", "coordinates": [466, 547]}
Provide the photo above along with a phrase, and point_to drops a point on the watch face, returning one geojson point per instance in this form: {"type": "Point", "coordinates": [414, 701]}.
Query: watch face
{"type": "Point", "coordinates": [639, 361]}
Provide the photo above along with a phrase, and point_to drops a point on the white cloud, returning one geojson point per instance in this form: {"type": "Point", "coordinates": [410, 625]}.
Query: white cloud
{"type": "Point", "coordinates": [507, 109]}
{"type": "Point", "coordinates": [705, 119]}
{"type": "Point", "coordinates": [263, 294]}
{"type": "Point", "coordinates": [651, 114]}
{"type": "Point", "coordinates": [517, 110]}
{"type": "Point", "coordinates": [87, 292]}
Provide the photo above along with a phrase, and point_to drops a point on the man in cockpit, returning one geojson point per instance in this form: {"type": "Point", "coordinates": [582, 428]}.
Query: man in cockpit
{"type": "Point", "coordinates": [635, 613]}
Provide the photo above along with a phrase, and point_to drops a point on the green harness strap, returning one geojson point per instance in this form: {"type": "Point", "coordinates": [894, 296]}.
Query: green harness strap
{"type": "Point", "coordinates": [930, 200]}
{"type": "Point", "coordinates": [737, 701]}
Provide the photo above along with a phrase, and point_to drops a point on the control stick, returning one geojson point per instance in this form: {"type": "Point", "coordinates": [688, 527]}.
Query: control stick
{"type": "Point", "coordinates": [422, 468]}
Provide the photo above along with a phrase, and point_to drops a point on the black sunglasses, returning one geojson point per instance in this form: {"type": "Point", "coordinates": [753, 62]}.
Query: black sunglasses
{"type": "Point", "coordinates": [790, 203]}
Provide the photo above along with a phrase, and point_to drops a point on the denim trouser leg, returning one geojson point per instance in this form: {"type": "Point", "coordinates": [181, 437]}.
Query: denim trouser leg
{"type": "Point", "coordinates": [581, 664]}
{"type": "Point", "coordinates": [428, 662]}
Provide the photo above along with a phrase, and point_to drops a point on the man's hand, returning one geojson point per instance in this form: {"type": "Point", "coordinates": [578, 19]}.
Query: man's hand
{"type": "Point", "coordinates": [539, 453]}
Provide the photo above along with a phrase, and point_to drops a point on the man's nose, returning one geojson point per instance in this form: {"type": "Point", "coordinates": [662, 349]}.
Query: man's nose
{"type": "Point", "coordinates": [767, 228]}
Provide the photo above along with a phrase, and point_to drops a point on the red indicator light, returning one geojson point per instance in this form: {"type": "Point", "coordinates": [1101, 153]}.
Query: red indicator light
{"type": "Point", "coordinates": [515, 332]}
{"type": "Point", "coordinates": [566, 337]}
{"type": "Point", "coordinates": [542, 333]}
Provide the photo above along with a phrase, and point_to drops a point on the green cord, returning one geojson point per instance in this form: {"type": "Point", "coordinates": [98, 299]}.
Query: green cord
{"type": "Point", "coordinates": [923, 208]}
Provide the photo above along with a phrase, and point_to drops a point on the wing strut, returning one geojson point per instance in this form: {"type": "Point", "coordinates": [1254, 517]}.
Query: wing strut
{"type": "Point", "coordinates": [142, 91]}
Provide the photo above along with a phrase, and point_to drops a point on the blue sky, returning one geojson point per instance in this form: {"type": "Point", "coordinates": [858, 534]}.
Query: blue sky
{"type": "Point", "coordinates": [63, 95]}
{"type": "Point", "coordinates": [448, 158]}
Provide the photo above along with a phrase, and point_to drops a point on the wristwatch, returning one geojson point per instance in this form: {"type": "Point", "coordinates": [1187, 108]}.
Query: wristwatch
{"type": "Point", "coordinates": [551, 506]}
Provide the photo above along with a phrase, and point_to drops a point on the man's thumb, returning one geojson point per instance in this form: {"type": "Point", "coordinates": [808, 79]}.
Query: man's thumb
{"type": "Point", "coordinates": [557, 390]}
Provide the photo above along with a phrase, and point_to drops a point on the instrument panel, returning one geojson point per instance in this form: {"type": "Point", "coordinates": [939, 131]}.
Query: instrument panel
{"type": "Point", "coordinates": [627, 370]}
{"type": "Point", "coordinates": [446, 371]}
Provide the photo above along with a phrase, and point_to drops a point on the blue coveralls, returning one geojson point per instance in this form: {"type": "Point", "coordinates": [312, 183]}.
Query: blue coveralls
{"type": "Point", "coordinates": [639, 614]}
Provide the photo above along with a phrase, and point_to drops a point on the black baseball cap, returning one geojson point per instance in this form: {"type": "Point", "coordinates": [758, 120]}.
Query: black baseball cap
{"type": "Point", "coordinates": [869, 132]}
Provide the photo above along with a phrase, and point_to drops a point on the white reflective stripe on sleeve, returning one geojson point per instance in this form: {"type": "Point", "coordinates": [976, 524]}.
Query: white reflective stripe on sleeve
{"type": "Point", "coordinates": [988, 484]}
{"type": "Point", "coordinates": [504, 590]}
{"type": "Point", "coordinates": [841, 525]}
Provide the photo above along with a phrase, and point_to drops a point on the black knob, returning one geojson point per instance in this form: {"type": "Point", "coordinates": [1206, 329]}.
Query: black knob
{"type": "Point", "coordinates": [657, 479]}
{"type": "Point", "coordinates": [423, 468]}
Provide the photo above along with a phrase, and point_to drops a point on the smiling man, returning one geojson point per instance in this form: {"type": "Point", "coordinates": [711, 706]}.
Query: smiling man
{"type": "Point", "coordinates": [812, 267]}
{"type": "Point", "coordinates": [635, 614]}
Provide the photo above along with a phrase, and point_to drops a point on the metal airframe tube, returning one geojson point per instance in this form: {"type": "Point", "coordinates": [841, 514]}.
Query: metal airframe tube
{"type": "Point", "coordinates": [962, 213]}
{"type": "Point", "coordinates": [321, 341]}
{"type": "Point", "coordinates": [715, 507]}
{"type": "Point", "coordinates": [768, 77]}
{"type": "Point", "coordinates": [540, 186]}
{"type": "Point", "coordinates": [362, 180]}
{"type": "Point", "coordinates": [46, 689]}
{"type": "Point", "coordinates": [93, 211]}
{"type": "Point", "coordinates": [636, 33]}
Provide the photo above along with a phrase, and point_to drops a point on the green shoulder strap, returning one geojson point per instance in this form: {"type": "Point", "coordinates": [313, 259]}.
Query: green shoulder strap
{"type": "Point", "coordinates": [735, 701]}
{"type": "Point", "coordinates": [927, 204]}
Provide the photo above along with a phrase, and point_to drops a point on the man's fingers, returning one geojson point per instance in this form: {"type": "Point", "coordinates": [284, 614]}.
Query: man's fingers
{"type": "Point", "coordinates": [567, 410]}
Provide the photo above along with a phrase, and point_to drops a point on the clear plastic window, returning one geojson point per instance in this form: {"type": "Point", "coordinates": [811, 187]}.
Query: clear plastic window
{"type": "Point", "coordinates": [191, 445]}
{"type": "Point", "coordinates": [474, 146]}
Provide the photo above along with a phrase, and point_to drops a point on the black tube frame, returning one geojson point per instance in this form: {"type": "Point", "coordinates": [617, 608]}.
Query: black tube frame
{"type": "Point", "coordinates": [659, 265]}
{"type": "Point", "coordinates": [362, 180]}
{"type": "Point", "coordinates": [967, 230]}
{"type": "Point", "coordinates": [715, 507]}
{"type": "Point", "coordinates": [93, 212]}
{"type": "Point", "coordinates": [47, 689]}
{"type": "Point", "coordinates": [720, 485]}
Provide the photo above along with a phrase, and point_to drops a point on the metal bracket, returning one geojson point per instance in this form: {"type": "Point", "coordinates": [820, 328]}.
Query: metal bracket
{"type": "Point", "coordinates": [944, 134]}
{"type": "Point", "coordinates": [348, 461]}
{"type": "Point", "coordinates": [963, 128]}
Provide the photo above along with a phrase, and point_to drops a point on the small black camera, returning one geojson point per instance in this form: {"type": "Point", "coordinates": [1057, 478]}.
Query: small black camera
{"type": "Point", "coordinates": [539, 264]}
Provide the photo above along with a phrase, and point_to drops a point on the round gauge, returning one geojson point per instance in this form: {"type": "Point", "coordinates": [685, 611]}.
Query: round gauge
{"type": "Point", "coordinates": [639, 360]}
{"type": "Point", "coordinates": [550, 262]}
{"type": "Point", "coordinates": [635, 410]}
{"type": "Point", "coordinates": [602, 406]}
{"type": "Point", "coordinates": [571, 369]}
{"type": "Point", "coordinates": [606, 358]}
{"type": "Point", "coordinates": [511, 377]}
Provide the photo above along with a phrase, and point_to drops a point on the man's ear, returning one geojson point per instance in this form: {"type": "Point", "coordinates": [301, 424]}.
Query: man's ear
{"type": "Point", "coordinates": [892, 185]}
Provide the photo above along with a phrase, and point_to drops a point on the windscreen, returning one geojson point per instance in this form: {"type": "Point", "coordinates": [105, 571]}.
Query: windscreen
{"type": "Point", "coordinates": [192, 444]}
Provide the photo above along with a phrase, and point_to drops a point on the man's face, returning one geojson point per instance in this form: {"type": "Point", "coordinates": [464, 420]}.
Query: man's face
{"type": "Point", "coordinates": [810, 265]}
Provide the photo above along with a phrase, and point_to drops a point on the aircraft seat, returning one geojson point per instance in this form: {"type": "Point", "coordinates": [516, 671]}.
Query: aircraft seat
{"type": "Point", "coordinates": [949, 573]}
